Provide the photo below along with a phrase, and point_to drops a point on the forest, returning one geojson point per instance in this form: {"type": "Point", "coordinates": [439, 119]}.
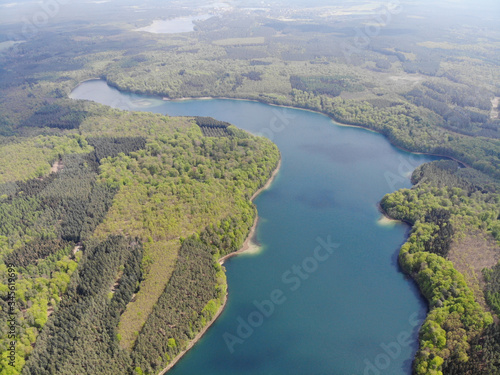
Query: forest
{"type": "Point", "coordinates": [72, 220]}
{"type": "Point", "coordinates": [96, 203]}
{"type": "Point", "coordinates": [447, 203]}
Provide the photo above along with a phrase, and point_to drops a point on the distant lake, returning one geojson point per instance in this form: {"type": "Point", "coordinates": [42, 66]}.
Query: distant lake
{"type": "Point", "coordinates": [8, 44]}
{"type": "Point", "coordinates": [348, 312]}
{"type": "Point", "coordinates": [174, 25]}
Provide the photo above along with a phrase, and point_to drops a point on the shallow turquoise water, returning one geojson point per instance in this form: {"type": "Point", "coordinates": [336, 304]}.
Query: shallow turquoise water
{"type": "Point", "coordinates": [325, 295]}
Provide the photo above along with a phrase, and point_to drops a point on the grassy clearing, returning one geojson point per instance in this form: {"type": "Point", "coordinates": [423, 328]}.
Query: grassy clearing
{"type": "Point", "coordinates": [470, 255]}
{"type": "Point", "coordinates": [163, 255]}
{"type": "Point", "coordinates": [240, 41]}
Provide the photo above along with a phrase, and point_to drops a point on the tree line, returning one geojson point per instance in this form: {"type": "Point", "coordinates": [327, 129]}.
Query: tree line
{"type": "Point", "coordinates": [458, 335]}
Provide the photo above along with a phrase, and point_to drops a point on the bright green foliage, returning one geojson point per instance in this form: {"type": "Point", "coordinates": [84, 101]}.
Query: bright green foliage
{"type": "Point", "coordinates": [34, 296]}
{"type": "Point", "coordinates": [83, 330]}
{"type": "Point", "coordinates": [476, 209]}
{"type": "Point", "coordinates": [424, 95]}
{"type": "Point", "coordinates": [189, 158]}
{"type": "Point", "coordinates": [181, 183]}
{"type": "Point", "coordinates": [455, 319]}
{"type": "Point", "coordinates": [32, 157]}
{"type": "Point", "coordinates": [407, 123]}
{"type": "Point", "coordinates": [41, 221]}
{"type": "Point", "coordinates": [170, 184]}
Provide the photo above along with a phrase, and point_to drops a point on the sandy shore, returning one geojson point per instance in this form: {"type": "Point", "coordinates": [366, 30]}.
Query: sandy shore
{"type": "Point", "coordinates": [248, 246]}
{"type": "Point", "coordinates": [387, 221]}
{"type": "Point", "coordinates": [269, 182]}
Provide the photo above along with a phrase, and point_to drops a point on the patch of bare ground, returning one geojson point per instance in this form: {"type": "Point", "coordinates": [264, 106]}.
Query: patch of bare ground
{"type": "Point", "coordinates": [77, 248]}
{"type": "Point", "coordinates": [57, 166]}
{"type": "Point", "coordinates": [470, 255]}
{"type": "Point", "coordinates": [407, 78]}
{"type": "Point", "coordinates": [117, 282]}
{"type": "Point", "coordinates": [494, 107]}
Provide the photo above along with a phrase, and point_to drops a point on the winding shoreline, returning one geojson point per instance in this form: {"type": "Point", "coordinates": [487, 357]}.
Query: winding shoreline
{"type": "Point", "coordinates": [337, 122]}
{"type": "Point", "coordinates": [246, 246]}
{"type": "Point", "coordinates": [248, 241]}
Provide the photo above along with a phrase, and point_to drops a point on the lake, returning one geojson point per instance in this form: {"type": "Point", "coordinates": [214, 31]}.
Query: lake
{"type": "Point", "coordinates": [174, 25]}
{"type": "Point", "coordinates": [325, 295]}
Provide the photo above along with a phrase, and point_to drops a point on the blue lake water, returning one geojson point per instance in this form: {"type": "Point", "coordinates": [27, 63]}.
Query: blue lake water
{"type": "Point", "coordinates": [325, 295]}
